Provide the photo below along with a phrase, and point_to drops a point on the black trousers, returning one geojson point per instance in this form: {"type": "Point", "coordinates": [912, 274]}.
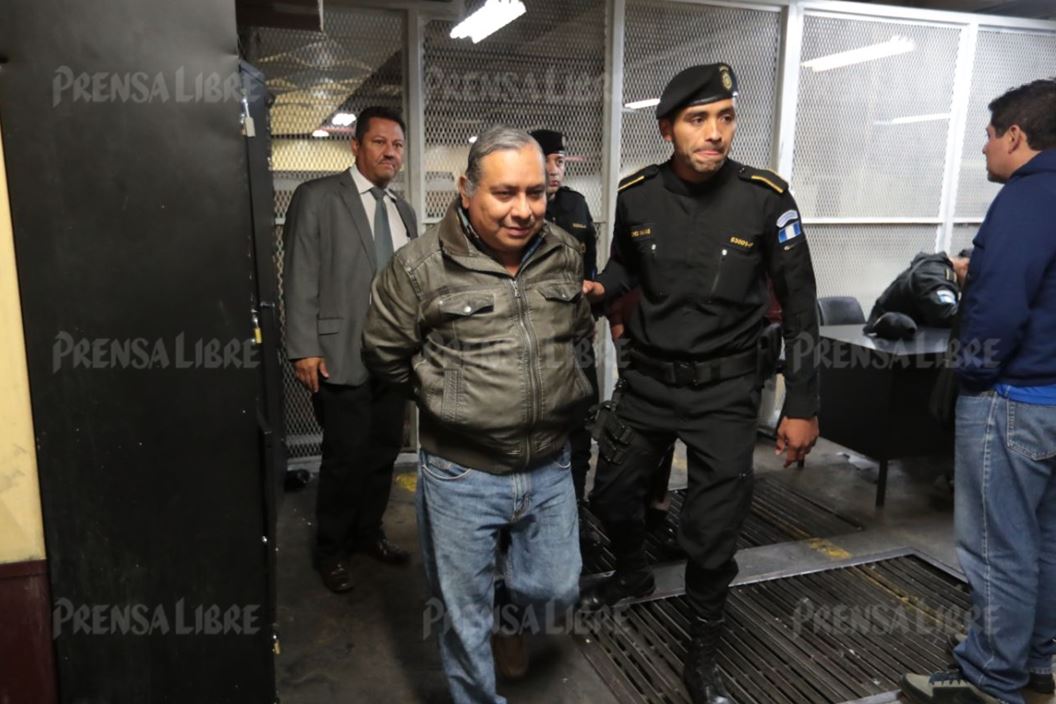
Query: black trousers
{"type": "Point", "coordinates": [362, 434]}
{"type": "Point", "coordinates": [717, 422]}
{"type": "Point", "coordinates": [579, 437]}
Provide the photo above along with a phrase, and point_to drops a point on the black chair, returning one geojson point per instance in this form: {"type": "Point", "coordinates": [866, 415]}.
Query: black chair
{"type": "Point", "coordinates": [840, 310]}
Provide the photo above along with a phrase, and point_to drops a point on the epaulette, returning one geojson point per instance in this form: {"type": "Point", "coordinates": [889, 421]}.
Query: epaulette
{"type": "Point", "coordinates": [763, 177]}
{"type": "Point", "coordinates": [638, 177]}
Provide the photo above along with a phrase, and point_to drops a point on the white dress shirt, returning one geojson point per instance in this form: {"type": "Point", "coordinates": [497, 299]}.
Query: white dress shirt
{"type": "Point", "coordinates": [396, 227]}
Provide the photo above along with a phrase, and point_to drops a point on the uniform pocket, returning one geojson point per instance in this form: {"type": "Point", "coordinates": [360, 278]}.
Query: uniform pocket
{"type": "Point", "coordinates": [651, 274]}
{"type": "Point", "coordinates": [1032, 430]}
{"type": "Point", "coordinates": [735, 274]}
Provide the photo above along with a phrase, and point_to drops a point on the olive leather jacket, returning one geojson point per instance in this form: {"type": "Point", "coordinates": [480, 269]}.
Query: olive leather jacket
{"type": "Point", "coordinates": [491, 357]}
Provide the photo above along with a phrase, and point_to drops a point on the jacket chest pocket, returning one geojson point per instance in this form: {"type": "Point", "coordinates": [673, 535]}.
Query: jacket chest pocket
{"type": "Point", "coordinates": [560, 302]}
{"type": "Point", "coordinates": [736, 272]}
{"type": "Point", "coordinates": [463, 315]}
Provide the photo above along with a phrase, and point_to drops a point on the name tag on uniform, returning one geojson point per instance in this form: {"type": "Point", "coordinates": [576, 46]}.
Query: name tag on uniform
{"type": "Point", "coordinates": [579, 226]}
{"type": "Point", "coordinates": [642, 231]}
{"type": "Point", "coordinates": [741, 242]}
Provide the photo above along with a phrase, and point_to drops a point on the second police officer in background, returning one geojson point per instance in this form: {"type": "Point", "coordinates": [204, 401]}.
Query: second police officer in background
{"type": "Point", "coordinates": [568, 210]}
{"type": "Point", "coordinates": [701, 234]}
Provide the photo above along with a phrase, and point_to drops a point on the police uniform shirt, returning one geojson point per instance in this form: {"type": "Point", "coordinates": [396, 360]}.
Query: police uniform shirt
{"type": "Point", "coordinates": [927, 292]}
{"type": "Point", "coordinates": [568, 210]}
{"type": "Point", "coordinates": [702, 254]}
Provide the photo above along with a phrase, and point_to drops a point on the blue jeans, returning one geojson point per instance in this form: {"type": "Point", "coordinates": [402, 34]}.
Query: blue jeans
{"type": "Point", "coordinates": [460, 514]}
{"type": "Point", "coordinates": [1005, 518]}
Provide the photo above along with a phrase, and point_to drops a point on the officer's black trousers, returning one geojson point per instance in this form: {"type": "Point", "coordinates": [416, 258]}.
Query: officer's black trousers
{"type": "Point", "coordinates": [579, 438]}
{"type": "Point", "coordinates": [717, 422]}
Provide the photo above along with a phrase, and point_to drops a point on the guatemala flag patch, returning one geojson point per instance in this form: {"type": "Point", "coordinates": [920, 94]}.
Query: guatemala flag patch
{"type": "Point", "coordinates": [789, 232]}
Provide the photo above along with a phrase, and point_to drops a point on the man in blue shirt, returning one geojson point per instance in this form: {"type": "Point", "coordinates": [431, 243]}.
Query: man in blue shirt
{"type": "Point", "coordinates": [1005, 510]}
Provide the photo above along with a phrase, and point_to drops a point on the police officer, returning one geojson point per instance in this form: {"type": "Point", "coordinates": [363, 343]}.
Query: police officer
{"type": "Point", "coordinates": [568, 210]}
{"type": "Point", "coordinates": [929, 291]}
{"type": "Point", "coordinates": [701, 234]}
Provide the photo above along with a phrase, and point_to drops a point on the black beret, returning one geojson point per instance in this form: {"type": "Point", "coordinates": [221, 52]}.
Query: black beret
{"type": "Point", "coordinates": [697, 85]}
{"type": "Point", "coordinates": [893, 326]}
{"type": "Point", "coordinates": [552, 142]}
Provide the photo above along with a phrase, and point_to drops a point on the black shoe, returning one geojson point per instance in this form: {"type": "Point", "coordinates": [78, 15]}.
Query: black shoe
{"type": "Point", "coordinates": [335, 575]}
{"type": "Point", "coordinates": [701, 674]}
{"type": "Point", "coordinates": [1037, 682]}
{"type": "Point", "coordinates": [383, 550]}
{"type": "Point", "coordinates": [614, 589]}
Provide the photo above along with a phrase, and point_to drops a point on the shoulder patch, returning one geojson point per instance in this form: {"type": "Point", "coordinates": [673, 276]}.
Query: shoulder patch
{"type": "Point", "coordinates": [764, 178]}
{"type": "Point", "coordinates": [638, 177]}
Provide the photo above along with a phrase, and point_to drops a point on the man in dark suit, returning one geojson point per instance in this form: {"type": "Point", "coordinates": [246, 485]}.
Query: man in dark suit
{"type": "Point", "coordinates": [340, 231]}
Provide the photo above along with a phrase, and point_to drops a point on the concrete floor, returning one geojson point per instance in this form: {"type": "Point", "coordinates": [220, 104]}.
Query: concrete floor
{"type": "Point", "coordinates": [370, 645]}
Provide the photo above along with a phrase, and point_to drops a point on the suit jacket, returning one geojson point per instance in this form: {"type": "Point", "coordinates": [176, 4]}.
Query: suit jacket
{"type": "Point", "coordinates": [328, 270]}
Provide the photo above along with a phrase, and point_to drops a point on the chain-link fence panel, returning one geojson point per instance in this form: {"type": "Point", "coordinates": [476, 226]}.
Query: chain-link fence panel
{"type": "Point", "coordinates": [544, 70]}
{"type": "Point", "coordinates": [861, 260]}
{"type": "Point", "coordinates": [662, 38]}
{"type": "Point", "coordinates": [1004, 59]}
{"type": "Point", "coordinates": [320, 80]}
{"type": "Point", "coordinates": [875, 99]}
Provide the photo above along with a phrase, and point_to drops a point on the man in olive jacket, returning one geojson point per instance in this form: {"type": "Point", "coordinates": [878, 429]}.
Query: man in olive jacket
{"type": "Point", "coordinates": [482, 316]}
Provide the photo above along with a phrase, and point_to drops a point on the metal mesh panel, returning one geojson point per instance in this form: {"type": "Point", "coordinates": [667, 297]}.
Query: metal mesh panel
{"type": "Point", "coordinates": [662, 38]}
{"type": "Point", "coordinates": [358, 61]}
{"type": "Point", "coordinates": [862, 260]}
{"type": "Point", "coordinates": [1003, 60]}
{"type": "Point", "coordinates": [962, 237]}
{"type": "Point", "coordinates": [863, 146]}
{"type": "Point", "coordinates": [544, 70]}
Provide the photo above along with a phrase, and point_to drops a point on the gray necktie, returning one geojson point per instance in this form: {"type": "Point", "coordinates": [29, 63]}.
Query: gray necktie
{"type": "Point", "coordinates": [382, 234]}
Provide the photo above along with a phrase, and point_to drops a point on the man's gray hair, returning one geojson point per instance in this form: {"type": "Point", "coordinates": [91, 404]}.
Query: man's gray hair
{"type": "Point", "coordinates": [494, 140]}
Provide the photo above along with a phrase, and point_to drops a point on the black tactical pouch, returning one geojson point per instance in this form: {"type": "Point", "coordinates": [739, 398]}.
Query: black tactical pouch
{"type": "Point", "coordinates": [769, 352]}
{"type": "Point", "coordinates": [612, 434]}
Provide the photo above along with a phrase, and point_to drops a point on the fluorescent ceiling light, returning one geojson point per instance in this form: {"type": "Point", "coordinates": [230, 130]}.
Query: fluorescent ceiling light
{"type": "Point", "coordinates": [892, 47]}
{"type": "Point", "coordinates": [910, 119]}
{"type": "Point", "coordinates": [343, 119]}
{"type": "Point", "coordinates": [320, 133]}
{"type": "Point", "coordinates": [493, 16]}
{"type": "Point", "coordinates": [639, 104]}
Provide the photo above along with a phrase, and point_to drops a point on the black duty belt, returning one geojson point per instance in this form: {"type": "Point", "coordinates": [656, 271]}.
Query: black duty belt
{"type": "Point", "coordinates": [695, 373]}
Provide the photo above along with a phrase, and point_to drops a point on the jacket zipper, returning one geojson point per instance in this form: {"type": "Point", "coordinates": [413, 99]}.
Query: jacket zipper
{"type": "Point", "coordinates": [533, 383]}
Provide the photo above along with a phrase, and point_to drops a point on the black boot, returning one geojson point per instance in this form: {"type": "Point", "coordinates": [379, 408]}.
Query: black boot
{"type": "Point", "coordinates": [701, 675]}
{"type": "Point", "coordinates": [621, 585]}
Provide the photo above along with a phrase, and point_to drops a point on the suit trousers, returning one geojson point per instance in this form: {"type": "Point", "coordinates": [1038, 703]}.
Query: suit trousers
{"type": "Point", "coordinates": [362, 434]}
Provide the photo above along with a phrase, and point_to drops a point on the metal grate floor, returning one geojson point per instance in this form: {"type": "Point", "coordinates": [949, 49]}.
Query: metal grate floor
{"type": "Point", "coordinates": [779, 514]}
{"type": "Point", "coordinates": [841, 635]}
